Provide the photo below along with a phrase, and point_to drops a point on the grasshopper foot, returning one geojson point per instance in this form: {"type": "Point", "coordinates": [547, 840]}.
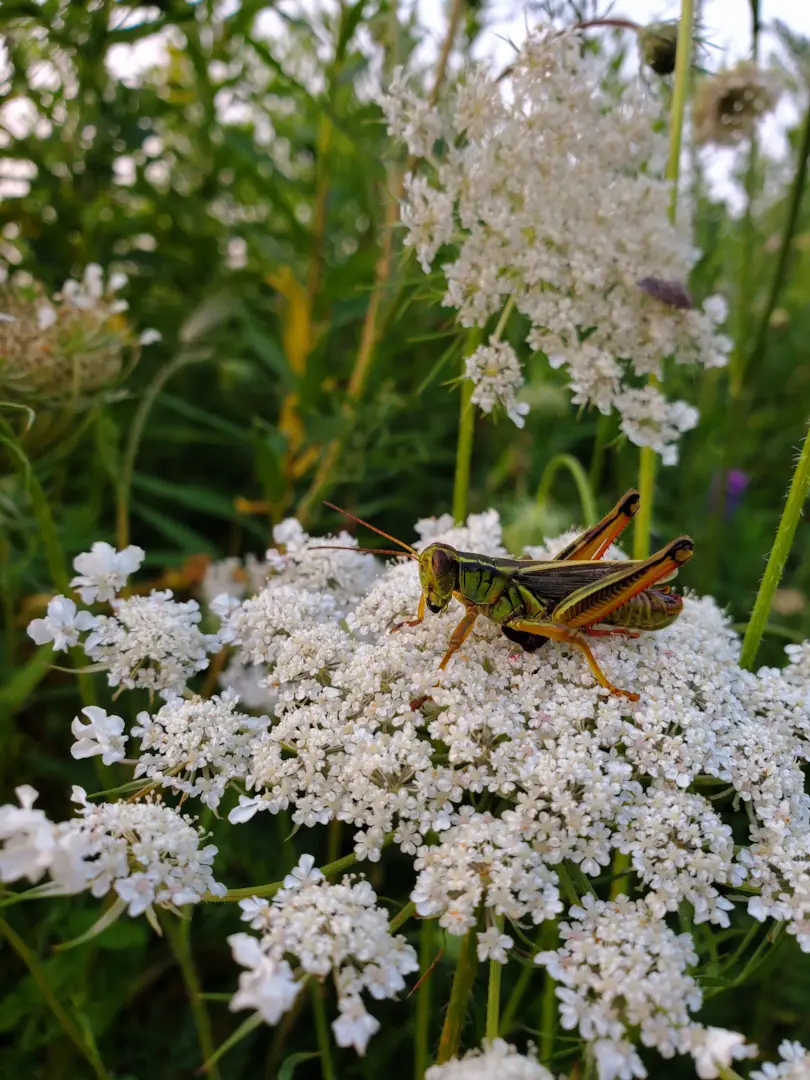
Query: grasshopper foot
{"type": "Point", "coordinates": [629, 694]}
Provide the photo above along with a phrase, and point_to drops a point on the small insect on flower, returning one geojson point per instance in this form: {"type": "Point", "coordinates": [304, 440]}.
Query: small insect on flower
{"type": "Point", "coordinates": [575, 595]}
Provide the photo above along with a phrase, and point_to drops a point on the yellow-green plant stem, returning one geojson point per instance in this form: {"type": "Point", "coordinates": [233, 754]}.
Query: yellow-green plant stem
{"type": "Point", "coordinates": [620, 885]}
{"type": "Point", "coordinates": [178, 935]}
{"type": "Point", "coordinates": [402, 917]}
{"type": "Point", "coordinates": [466, 432]}
{"type": "Point", "coordinates": [515, 998]}
{"type": "Point", "coordinates": [41, 980]}
{"type": "Point", "coordinates": [797, 495]}
{"type": "Point", "coordinates": [586, 499]}
{"type": "Point", "coordinates": [421, 1033]}
{"type": "Point", "coordinates": [680, 94]}
{"type": "Point", "coordinates": [459, 1002]}
{"type": "Point", "coordinates": [494, 991]}
{"type": "Point", "coordinates": [466, 428]}
{"type": "Point", "coordinates": [322, 1031]}
{"type": "Point", "coordinates": [548, 1000]}
{"type": "Point", "coordinates": [328, 870]}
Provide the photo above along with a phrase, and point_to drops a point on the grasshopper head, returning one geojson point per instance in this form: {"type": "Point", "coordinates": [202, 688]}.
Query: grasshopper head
{"type": "Point", "coordinates": [438, 574]}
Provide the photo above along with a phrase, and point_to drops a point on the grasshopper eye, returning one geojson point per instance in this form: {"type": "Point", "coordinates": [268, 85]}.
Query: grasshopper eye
{"type": "Point", "coordinates": [442, 563]}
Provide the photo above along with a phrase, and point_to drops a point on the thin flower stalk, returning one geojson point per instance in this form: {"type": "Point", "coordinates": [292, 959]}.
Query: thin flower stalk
{"type": "Point", "coordinates": [327, 1063]}
{"type": "Point", "coordinates": [178, 934]}
{"type": "Point", "coordinates": [421, 1034]}
{"type": "Point", "coordinates": [460, 995]}
{"type": "Point", "coordinates": [680, 95]}
{"type": "Point", "coordinates": [466, 434]}
{"type": "Point", "coordinates": [494, 991]}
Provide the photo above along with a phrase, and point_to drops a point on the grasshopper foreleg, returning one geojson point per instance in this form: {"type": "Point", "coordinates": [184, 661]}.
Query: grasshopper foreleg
{"type": "Point", "coordinates": [459, 635]}
{"type": "Point", "coordinates": [420, 615]}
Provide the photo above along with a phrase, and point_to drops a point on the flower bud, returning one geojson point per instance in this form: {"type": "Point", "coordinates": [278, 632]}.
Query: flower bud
{"type": "Point", "coordinates": [657, 46]}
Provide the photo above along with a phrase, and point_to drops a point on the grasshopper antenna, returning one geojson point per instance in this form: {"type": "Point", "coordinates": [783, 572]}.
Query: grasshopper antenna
{"type": "Point", "coordinates": [411, 552]}
{"type": "Point", "coordinates": [359, 551]}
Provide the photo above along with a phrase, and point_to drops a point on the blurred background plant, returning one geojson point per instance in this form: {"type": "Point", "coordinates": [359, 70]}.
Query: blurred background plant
{"type": "Point", "coordinates": [208, 188]}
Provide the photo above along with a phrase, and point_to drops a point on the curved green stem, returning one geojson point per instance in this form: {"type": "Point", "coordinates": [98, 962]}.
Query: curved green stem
{"type": "Point", "coordinates": [460, 995]}
{"type": "Point", "coordinates": [322, 1031]}
{"type": "Point", "coordinates": [778, 557]}
{"type": "Point", "coordinates": [586, 499]}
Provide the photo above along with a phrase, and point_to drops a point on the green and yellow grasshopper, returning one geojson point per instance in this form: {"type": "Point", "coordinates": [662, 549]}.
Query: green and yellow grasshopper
{"type": "Point", "coordinates": [574, 595]}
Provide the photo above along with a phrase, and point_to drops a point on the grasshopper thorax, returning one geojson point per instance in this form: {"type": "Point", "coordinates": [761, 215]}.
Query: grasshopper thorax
{"type": "Point", "coordinates": [438, 575]}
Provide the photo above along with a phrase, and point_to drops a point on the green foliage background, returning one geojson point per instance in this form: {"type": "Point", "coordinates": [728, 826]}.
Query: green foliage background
{"type": "Point", "coordinates": [328, 347]}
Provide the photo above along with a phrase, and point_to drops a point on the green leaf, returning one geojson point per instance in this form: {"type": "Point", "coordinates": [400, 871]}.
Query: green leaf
{"type": "Point", "coordinates": [189, 541]}
{"type": "Point", "coordinates": [190, 495]}
{"type": "Point", "coordinates": [201, 416]}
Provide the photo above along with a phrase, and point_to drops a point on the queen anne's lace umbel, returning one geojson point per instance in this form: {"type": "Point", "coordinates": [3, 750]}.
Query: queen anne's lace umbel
{"type": "Point", "coordinates": [145, 852]}
{"type": "Point", "coordinates": [550, 194]}
{"type": "Point", "coordinates": [503, 782]}
{"type": "Point", "coordinates": [327, 929]}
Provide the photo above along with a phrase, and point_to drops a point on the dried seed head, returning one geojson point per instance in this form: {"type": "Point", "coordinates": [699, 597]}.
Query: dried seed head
{"type": "Point", "coordinates": [657, 46]}
{"type": "Point", "coordinates": [53, 350]}
{"type": "Point", "coordinates": [727, 106]}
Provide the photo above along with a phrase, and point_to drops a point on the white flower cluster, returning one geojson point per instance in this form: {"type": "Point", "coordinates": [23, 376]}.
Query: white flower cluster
{"type": "Point", "coordinates": [550, 196]}
{"type": "Point", "coordinates": [145, 852]}
{"type": "Point", "coordinates": [620, 968]}
{"type": "Point", "coordinates": [496, 1061]}
{"type": "Point", "coordinates": [197, 746]}
{"type": "Point", "coordinates": [496, 373]}
{"type": "Point", "coordinates": [103, 571]}
{"type": "Point", "coordinates": [298, 586]}
{"type": "Point", "coordinates": [483, 858]}
{"type": "Point", "coordinates": [323, 929]}
{"type": "Point", "coordinates": [149, 641]}
{"type": "Point", "coordinates": [795, 1064]}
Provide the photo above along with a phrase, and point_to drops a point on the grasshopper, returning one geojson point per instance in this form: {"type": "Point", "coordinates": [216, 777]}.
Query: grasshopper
{"type": "Point", "coordinates": [576, 595]}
